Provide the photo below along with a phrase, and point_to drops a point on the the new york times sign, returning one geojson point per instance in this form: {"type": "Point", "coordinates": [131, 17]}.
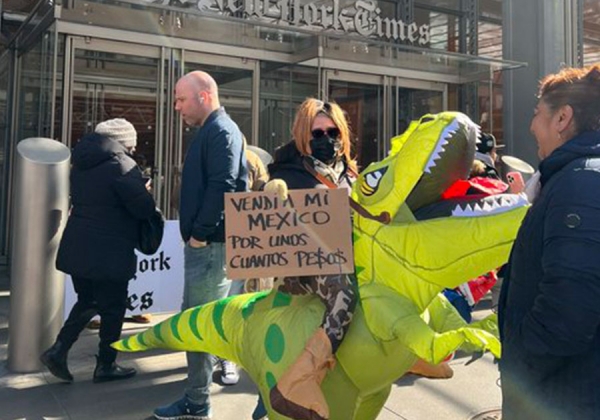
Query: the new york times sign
{"type": "Point", "coordinates": [362, 17]}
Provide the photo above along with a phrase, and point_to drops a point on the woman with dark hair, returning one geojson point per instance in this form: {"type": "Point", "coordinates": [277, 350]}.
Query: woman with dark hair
{"type": "Point", "coordinates": [318, 157]}
{"type": "Point", "coordinates": [549, 311]}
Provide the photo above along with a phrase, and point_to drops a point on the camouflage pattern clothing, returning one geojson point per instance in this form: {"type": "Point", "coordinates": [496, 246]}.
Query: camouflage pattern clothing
{"type": "Point", "coordinates": [337, 292]}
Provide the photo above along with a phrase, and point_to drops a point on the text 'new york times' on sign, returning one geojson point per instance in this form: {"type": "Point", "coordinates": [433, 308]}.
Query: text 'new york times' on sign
{"type": "Point", "coordinates": [310, 233]}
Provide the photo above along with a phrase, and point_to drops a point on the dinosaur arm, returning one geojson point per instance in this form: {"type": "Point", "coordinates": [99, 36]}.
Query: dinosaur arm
{"type": "Point", "coordinates": [392, 317]}
{"type": "Point", "coordinates": [443, 316]}
{"type": "Point", "coordinates": [449, 251]}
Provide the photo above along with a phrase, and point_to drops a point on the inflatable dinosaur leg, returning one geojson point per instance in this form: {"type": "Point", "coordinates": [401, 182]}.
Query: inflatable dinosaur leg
{"type": "Point", "coordinates": [370, 407]}
{"type": "Point", "coordinates": [429, 370]}
{"type": "Point", "coordinates": [298, 392]}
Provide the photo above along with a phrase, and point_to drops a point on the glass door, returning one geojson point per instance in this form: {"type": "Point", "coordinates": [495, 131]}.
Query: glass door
{"type": "Point", "coordinates": [363, 97]}
{"type": "Point", "coordinates": [235, 80]}
{"type": "Point", "coordinates": [116, 80]}
{"type": "Point", "coordinates": [412, 99]}
{"type": "Point", "coordinates": [381, 107]}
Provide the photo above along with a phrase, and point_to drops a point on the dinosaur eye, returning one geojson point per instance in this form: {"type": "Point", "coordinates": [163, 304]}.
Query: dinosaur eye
{"type": "Point", "coordinates": [426, 119]}
{"type": "Point", "coordinates": [372, 181]}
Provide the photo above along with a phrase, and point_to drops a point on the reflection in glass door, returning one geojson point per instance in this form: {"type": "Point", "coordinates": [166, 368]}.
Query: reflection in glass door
{"type": "Point", "coordinates": [411, 100]}
{"type": "Point", "coordinates": [235, 78]}
{"type": "Point", "coordinates": [235, 89]}
{"type": "Point", "coordinates": [112, 85]}
{"type": "Point", "coordinates": [364, 105]}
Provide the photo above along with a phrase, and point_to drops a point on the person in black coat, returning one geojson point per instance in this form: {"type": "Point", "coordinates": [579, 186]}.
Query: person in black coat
{"type": "Point", "coordinates": [549, 310]}
{"type": "Point", "coordinates": [318, 157]}
{"type": "Point", "coordinates": [109, 198]}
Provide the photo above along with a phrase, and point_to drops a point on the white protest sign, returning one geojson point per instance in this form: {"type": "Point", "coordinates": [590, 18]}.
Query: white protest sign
{"type": "Point", "coordinates": [158, 283]}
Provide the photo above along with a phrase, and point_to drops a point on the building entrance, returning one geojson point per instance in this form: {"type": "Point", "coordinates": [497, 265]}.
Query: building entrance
{"type": "Point", "coordinates": [107, 79]}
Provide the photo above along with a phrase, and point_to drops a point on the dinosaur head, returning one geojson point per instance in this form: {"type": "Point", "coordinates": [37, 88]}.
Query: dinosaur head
{"type": "Point", "coordinates": [430, 241]}
{"type": "Point", "coordinates": [430, 156]}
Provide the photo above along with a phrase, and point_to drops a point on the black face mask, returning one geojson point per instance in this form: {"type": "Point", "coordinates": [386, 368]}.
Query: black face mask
{"type": "Point", "coordinates": [325, 149]}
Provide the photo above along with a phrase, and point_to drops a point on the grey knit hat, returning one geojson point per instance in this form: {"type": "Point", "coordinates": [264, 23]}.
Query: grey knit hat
{"type": "Point", "coordinates": [118, 129]}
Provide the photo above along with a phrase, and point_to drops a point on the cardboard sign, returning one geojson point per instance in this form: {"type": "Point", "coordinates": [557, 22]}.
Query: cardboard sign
{"type": "Point", "coordinates": [310, 233]}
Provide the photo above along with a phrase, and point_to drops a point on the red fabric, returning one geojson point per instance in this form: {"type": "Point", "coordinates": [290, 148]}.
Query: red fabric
{"type": "Point", "coordinates": [482, 284]}
{"type": "Point", "coordinates": [477, 185]}
{"type": "Point", "coordinates": [458, 189]}
{"type": "Point", "coordinates": [475, 188]}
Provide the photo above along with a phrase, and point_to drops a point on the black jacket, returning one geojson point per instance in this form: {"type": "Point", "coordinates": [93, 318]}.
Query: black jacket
{"type": "Point", "coordinates": [214, 165]}
{"type": "Point", "coordinates": [549, 312]}
{"type": "Point", "coordinates": [108, 199]}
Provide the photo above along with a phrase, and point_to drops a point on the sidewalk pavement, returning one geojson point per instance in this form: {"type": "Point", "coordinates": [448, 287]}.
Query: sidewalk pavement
{"type": "Point", "coordinates": [161, 379]}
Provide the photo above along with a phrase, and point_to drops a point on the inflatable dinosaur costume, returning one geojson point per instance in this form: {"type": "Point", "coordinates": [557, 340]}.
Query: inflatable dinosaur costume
{"type": "Point", "coordinates": [408, 247]}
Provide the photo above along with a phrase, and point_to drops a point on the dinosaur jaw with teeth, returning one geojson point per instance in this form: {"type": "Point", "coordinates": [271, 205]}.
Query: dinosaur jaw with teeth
{"type": "Point", "coordinates": [440, 148]}
{"type": "Point", "coordinates": [451, 159]}
{"type": "Point", "coordinates": [490, 205]}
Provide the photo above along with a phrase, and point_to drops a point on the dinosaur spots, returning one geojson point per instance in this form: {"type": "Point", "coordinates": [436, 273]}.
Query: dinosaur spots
{"type": "Point", "coordinates": [141, 340]}
{"type": "Point", "coordinates": [274, 343]}
{"type": "Point", "coordinates": [158, 333]}
{"type": "Point", "coordinates": [271, 381]}
{"type": "Point", "coordinates": [248, 307]}
{"type": "Point", "coordinates": [218, 316]}
{"type": "Point", "coordinates": [281, 299]}
{"type": "Point", "coordinates": [194, 322]}
{"type": "Point", "coordinates": [173, 324]}
{"type": "Point", "coordinates": [126, 345]}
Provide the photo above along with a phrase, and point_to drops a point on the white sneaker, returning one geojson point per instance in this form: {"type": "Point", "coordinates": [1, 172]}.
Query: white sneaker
{"type": "Point", "coordinates": [229, 373]}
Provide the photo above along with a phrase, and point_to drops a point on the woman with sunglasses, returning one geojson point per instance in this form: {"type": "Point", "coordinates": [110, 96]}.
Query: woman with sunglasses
{"type": "Point", "coordinates": [318, 157]}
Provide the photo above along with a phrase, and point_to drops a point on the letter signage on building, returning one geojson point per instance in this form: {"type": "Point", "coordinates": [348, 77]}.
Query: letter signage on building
{"type": "Point", "coordinates": [362, 17]}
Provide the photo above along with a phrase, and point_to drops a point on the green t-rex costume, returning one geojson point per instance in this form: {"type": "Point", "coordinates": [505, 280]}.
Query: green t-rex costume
{"type": "Point", "coordinates": [401, 267]}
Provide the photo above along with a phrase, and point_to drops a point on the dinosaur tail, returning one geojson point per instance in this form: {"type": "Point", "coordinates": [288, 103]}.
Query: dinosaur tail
{"type": "Point", "coordinates": [215, 328]}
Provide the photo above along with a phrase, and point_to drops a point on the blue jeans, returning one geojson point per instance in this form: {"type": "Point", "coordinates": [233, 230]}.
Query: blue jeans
{"type": "Point", "coordinates": [204, 282]}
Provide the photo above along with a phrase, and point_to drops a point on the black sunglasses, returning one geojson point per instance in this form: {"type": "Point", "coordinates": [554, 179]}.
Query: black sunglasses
{"type": "Point", "coordinates": [332, 132]}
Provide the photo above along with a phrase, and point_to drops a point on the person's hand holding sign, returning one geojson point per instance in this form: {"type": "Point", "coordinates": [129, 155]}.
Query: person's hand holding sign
{"type": "Point", "coordinates": [278, 187]}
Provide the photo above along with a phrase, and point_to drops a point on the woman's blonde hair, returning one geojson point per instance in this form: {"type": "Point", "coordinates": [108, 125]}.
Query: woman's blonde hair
{"type": "Point", "coordinates": [305, 115]}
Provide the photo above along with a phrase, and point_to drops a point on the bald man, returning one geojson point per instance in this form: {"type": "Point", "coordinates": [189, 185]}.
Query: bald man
{"type": "Point", "coordinates": [215, 164]}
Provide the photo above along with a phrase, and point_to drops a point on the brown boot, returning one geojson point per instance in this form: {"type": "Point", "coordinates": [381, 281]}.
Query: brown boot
{"type": "Point", "coordinates": [298, 392]}
{"type": "Point", "coordinates": [440, 371]}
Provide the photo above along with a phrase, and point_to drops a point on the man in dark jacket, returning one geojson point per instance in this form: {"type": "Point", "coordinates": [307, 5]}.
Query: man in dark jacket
{"type": "Point", "coordinates": [108, 200]}
{"type": "Point", "coordinates": [549, 311]}
{"type": "Point", "coordinates": [214, 165]}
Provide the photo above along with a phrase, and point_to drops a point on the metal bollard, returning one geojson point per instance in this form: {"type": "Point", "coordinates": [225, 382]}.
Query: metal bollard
{"type": "Point", "coordinates": [40, 210]}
